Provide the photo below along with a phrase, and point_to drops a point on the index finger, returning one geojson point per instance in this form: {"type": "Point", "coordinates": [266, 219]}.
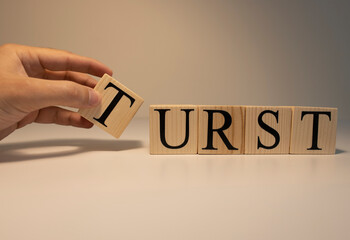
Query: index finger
{"type": "Point", "coordinates": [59, 60]}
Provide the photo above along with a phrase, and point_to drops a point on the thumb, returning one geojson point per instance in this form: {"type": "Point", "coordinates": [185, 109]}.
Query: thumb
{"type": "Point", "coordinates": [45, 93]}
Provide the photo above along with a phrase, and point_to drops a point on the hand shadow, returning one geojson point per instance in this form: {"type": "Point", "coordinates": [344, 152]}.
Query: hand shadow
{"type": "Point", "coordinates": [14, 151]}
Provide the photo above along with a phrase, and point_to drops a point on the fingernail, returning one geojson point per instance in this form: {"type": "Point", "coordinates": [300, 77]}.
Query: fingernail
{"type": "Point", "coordinates": [94, 98]}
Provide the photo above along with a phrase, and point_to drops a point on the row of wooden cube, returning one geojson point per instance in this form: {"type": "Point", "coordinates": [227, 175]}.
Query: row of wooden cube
{"type": "Point", "coordinates": [206, 129]}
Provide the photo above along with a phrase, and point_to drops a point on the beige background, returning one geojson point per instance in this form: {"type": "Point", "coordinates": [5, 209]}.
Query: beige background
{"type": "Point", "coordinates": [201, 52]}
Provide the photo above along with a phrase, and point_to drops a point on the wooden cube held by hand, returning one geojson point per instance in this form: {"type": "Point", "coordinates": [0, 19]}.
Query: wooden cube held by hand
{"type": "Point", "coordinates": [118, 106]}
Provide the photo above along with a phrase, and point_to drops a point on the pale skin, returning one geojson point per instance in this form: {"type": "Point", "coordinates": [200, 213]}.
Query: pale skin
{"type": "Point", "coordinates": [35, 81]}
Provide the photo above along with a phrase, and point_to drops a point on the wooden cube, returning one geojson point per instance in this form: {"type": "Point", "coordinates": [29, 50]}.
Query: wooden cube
{"type": "Point", "coordinates": [173, 129]}
{"type": "Point", "coordinates": [267, 129]}
{"type": "Point", "coordinates": [118, 106]}
{"type": "Point", "coordinates": [220, 129]}
{"type": "Point", "coordinates": [313, 130]}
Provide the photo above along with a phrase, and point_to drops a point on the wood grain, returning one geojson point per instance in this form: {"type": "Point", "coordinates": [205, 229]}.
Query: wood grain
{"type": "Point", "coordinates": [303, 133]}
{"type": "Point", "coordinates": [231, 139]}
{"type": "Point", "coordinates": [262, 140]}
{"type": "Point", "coordinates": [175, 129]}
{"type": "Point", "coordinates": [117, 120]}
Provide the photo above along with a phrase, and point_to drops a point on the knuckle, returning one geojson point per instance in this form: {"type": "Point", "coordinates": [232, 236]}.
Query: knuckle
{"type": "Point", "coordinates": [75, 93]}
{"type": "Point", "coordinates": [72, 91]}
{"type": "Point", "coordinates": [9, 46]}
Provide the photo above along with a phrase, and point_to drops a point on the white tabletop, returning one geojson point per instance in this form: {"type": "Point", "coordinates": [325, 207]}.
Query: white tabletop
{"type": "Point", "coordinates": [66, 183]}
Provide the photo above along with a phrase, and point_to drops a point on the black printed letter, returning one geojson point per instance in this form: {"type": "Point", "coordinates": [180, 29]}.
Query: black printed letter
{"type": "Point", "coordinates": [316, 116]}
{"type": "Point", "coordinates": [268, 129]}
{"type": "Point", "coordinates": [162, 127]}
{"type": "Point", "coordinates": [227, 124]}
{"type": "Point", "coordinates": [114, 103]}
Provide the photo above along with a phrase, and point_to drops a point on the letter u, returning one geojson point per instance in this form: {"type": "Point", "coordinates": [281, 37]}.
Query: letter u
{"type": "Point", "coordinates": [162, 113]}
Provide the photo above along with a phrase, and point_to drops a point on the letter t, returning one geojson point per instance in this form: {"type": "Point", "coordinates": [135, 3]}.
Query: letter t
{"type": "Point", "coordinates": [113, 104]}
{"type": "Point", "coordinates": [316, 116]}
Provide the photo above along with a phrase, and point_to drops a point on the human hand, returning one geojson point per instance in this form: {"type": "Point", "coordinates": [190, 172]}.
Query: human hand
{"type": "Point", "coordinates": [34, 81]}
